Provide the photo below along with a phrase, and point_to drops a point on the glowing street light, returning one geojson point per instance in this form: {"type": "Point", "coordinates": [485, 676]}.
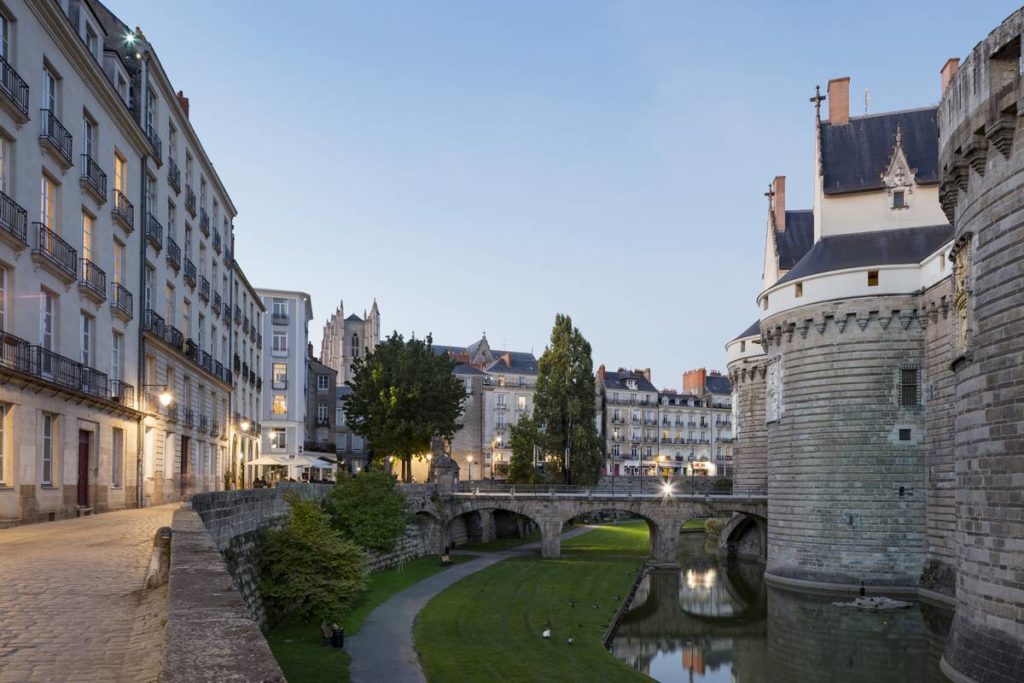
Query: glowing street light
{"type": "Point", "coordinates": [244, 425]}
{"type": "Point", "coordinates": [165, 397]}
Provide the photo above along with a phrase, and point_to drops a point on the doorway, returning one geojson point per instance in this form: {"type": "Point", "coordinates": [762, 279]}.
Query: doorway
{"type": "Point", "coordinates": [185, 443]}
{"type": "Point", "coordinates": [83, 468]}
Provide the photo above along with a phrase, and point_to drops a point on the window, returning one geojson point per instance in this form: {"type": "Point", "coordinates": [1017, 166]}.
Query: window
{"type": "Point", "coordinates": [872, 278]}
{"type": "Point", "coordinates": [87, 328]}
{"type": "Point", "coordinates": [49, 90]}
{"type": "Point", "coordinates": [501, 401]}
{"type": "Point", "coordinates": [91, 40]}
{"type": "Point", "coordinates": [3, 299]}
{"type": "Point", "coordinates": [122, 87]}
{"type": "Point", "coordinates": [322, 382]}
{"type": "Point", "coordinates": [47, 303]}
{"type": "Point", "coordinates": [172, 219]}
{"type": "Point", "coordinates": [116, 356]}
{"type": "Point", "coordinates": [280, 404]}
{"type": "Point", "coordinates": [48, 204]}
{"type": "Point", "coordinates": [501, 419]}
{"type": "Point", "coordinates": [764, 304]}
{"type": "Point", "coordinates": [46, 446]}
{"type": "Point", "coordinates": [88, 136]}
{"type": "Point", "coordinates": [5, 164]}
{"type": "Point", "coordinates": [468, 382]}
{"type": "Point", "coordinates": [355, 346]}
{"type": "Point", "coordinates": [5, 37]}
{"type": "Point", "coordinates": [743, 346]}
{"type": "Point", "coordinates": [120, 174]}
{"type": "Point", "coordinates": [169, 304]}
{"type": "Point", "coordinates": [908, 388]}
{"type": "Point", "coordinates": [277, 438]}
{"type": "Point", "coordinates": [280, 376]}
{"type": "Point", "coordinates": [87, 231]}
{"type": "Point", "coordinates": [321, 412]}
{"type": "Point", "coordinates": [899, 200]}
{"type": "Point", "coordinates": [280, 346]}
{"type": "Point", "coordinates": [3, 433]}
{"type": "Point", "coordinates": [798, 290]}
{"type": "Point", "coordinates": [117, 458]}
{"type": "Point", "coordinates": [186, 318]}
{"type": "Point", "coordinates": [521, 402]}
{"type": "Point", "coordinates": [905, 435]}
{"type": "Point", "coordinates": [147, 289]}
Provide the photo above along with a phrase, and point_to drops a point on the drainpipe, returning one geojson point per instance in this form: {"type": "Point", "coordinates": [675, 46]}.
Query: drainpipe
{"type": "Point", "coordinates": [141, 292]}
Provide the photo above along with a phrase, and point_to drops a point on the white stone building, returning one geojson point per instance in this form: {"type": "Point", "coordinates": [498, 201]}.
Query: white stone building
{"type": "Point", "coordinates": [346, 339]}
{"type": "Point", "coordinates": [284, 400]}
{"type": "Point", "coordinates": [245, 429]}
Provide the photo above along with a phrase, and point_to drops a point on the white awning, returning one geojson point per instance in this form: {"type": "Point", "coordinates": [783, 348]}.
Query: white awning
{"type": "Point", "coordinates": [266, 459]}
{"type": "Point", "coordinates": [310, 461]}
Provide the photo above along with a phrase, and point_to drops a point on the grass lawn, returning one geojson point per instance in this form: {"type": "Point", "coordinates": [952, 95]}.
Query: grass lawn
{"type": "Point", "coordinates": [297, 646]}
{"type": "Point", "coordinates": [500, 543]}
{"type": "Point", "coordinates": [488, 626]}
{"type": "Point", "coordinates": [694, 524]}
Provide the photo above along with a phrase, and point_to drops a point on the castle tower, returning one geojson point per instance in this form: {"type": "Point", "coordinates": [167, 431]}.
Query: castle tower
{"type": "Point", "coordinates": [747, 373]}
{"type": "Point", "coordinates": [981, 184]}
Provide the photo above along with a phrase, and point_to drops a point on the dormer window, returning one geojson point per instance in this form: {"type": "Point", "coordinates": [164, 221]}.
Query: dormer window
{"type": "Point", "coordinates": [899, 199]}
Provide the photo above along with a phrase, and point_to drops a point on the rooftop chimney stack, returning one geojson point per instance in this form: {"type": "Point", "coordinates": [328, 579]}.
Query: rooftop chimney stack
{"type": "Point", "coordinates": [779, 203]}
{"type": "Point", "coordinates": [601, 372]}
{"type": "Point", "coordinates": [948, 71]}
{"type": "Point", "coordinates": [839, 101]}
{"type": "Point", "coordinates": [183, 101]}
{"type": "Point", "coordinates": [647, 374]}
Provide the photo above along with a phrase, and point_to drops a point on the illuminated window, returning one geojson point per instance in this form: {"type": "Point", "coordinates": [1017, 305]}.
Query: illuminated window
{"type": "Point", "coordinates": [872, 278]}
{"type": "Point", "coordinates": [798, 289]}
{"type": "Point", "coordinates": [280, 377]}
{"type": "Point", "coordinates": [280, 404]}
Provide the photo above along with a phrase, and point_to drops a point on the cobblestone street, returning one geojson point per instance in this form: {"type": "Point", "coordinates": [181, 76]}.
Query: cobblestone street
{"type": "Point", "coordinates": [72, 604]}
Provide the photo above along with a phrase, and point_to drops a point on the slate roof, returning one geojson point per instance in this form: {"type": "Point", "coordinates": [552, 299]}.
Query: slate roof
{"type": "Point", "coordinates": [796, 240]}
{"type": "Point", "coordinates": [354, 318]}
{"type": "Point", "coordinates": [718, 384]}
{"type": "Point", "coordinates": [753, 331]}
{"type": "Point", "coordinates": [523, 362]}
{"type": "Point", "coordinates": [880, 248]}
{"type": "Point", "coordinates": [616, 381]}
{"type": "Point", "coordinates": [854, 155]}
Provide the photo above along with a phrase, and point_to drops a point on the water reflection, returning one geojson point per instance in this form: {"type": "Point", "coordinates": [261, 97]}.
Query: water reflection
{"type": "Point", "coordinates": [718, 623]}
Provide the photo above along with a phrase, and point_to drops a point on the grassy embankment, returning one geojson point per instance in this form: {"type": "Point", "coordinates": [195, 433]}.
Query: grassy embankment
{"type": "Point", "coordinates": [488, 626]}
{"type": "Point", "coordinates": [297, 647]}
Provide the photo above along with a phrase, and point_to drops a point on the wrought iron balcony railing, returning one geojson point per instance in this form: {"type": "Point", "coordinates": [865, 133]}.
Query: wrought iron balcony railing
{"type": "Point", "coordinates": [93, 178]}
{"type": "Point", "coordinates": [173, 175]}
{"type": "Point", "coordinates": [154, 232]}
{"type": "Point", "coordinates": [190, 200]}
{"type": "Point", "coordinates": [93, 281]}
{"type": "Point", "coordinates": [173, 254]}
{"type": "Point", "coordinates": [13, 222]}
{"type": "Point", "coordinates": [55, 253]}
{"type": "Point", "coordinates": [121, 301]}
{"type": "Point", "coordinates": [123, 210]}
{"type": "Point", "coordinates": [14, 89]}
{"type": "Point", "coordinates": [53, 133]}
{"type": "Point", "coordinates": [190, 273]}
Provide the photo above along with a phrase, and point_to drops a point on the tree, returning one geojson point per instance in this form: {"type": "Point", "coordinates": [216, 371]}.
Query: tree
{"type": "Point", "coordinates": [403, 393]}
{"type": "Point", "coordinates": [368, 510]}
{"type": "Point", "coordinates": [565, 407]}
{"type": "Point", "coordinates": [523, 437]}
{"type": "Point", "coordinates": [308, 571]}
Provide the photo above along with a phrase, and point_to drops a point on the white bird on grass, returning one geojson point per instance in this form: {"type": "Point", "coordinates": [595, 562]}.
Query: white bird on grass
{"type": "Point", "coordinates": [546, 633]}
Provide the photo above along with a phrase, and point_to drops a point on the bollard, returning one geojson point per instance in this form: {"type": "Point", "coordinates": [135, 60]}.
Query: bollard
{"type": "Point", "coordinates": [338, 637]}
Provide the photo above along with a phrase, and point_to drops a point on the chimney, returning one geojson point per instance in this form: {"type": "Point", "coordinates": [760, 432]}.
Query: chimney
{"type": "Point", "coordinates": [694, 381]}
{"type": "Point", "coordinates": [948, 71]}
{"type": "Point", "coordinates": [779, 202]}
{"type": "Point", "coordinates": [183, 101]}
{"type": "Point", "coordinates": [647, 374]}
{"type": "Point", "coordinates": [839, 101]}
{"type": "Point", "coordinates": [600, 372]}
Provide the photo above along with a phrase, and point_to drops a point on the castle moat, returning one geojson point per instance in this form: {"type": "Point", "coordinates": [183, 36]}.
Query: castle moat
{"type": "Point", "coordinates": [714, 621]}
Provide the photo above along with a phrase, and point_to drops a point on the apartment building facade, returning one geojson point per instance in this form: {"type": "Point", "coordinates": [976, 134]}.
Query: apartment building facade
{"type": "Point", "coordinates": [245, 426]}
{"type": "Point", "coordinates": [284, 401]}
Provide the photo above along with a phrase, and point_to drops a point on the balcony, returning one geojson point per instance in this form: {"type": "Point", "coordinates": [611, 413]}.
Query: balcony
{"type": "Point", "coordinates": [216, 303]}
{"type": "Point", "coordinates": [204, 289]}
{"type": "Point", "coordinates": [93, 282]}
{"type": "Point", "coordinates": [54, 254]}
{"type": "Point", "coordinates": [13, 92]}
{"type": "Point", "coordinates": [245, 324]}
{"type": "Point", "coordinates": [93, 179]}
{"type": "Point", "coordinates": [204, 423]}
{"type": "Point", "coordinates": [153, 323]}
{"type": "Point", "coordinates": [192, 350]}
{"type": "Point", "coordinates": [228, 258]}
{"type": "Point", "coordinates": [252, 333]}
{"type": "Point", "coordinates": [259, 341]}
{"type": "Point", "coordinates": [227, 377]}
{"type": "Point", "coordinates": [174, 337]}
{"type": "Point", "coordinates": [215, 428]}
{"type": "Point", "coordinates": [44, 365]}
{"type": "Point", "coordinates": [173, 175]}
{"type": "Point", "coordinates": [218, 368]}
{"type": "Point", "coordinates": [226, 312]}
{"type": "Point", "coordinates": [204, 221]}
{"type": "Point", "coordinates": [279, 318]}
{"type": "Point", "coordinates": [245, 371]}
{"type": "Point", "coordinates": [123, 393]}
{"type": "Point", "coordinates": [123, 211]}
{"type": "Point", "coordinates": [121, 302]}
{"type": "Point", "coordinates": [216, 240]}
{"type": "Point", "coordinates": [259, 384]}
{"type": "Point", "coordinates": [158, 145]}
{"type": "Point", "coordinates": [187, 417]}
{"type": "Point", "coordinates": [238, 363]}
{"type": "Point", "coordinates": [190, 273]}
{"type": "Point", "coordinates": [55, 137]}
{"type": "Point", "coordinates": [190, 200]}
{"type": "Point", "coordinates": [173, 254]}
{"type": "Point", "coordinates": [206, 360]}
{"type": "Point", "coordinates": [154, 232]}
{"type": "Point", "coordinates": [13, 223]}
{"type": "Point", "coordinates": [238, 314]}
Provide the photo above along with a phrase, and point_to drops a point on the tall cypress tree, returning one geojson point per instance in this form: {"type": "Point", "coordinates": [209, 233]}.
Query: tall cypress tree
{"type": "Point", "coordinates": [565, 407]}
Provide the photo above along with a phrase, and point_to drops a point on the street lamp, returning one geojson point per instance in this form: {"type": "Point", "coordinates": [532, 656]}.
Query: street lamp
{"type": "Point", "coordinates": [244, 425]}
{"type": "Point", "coordinates": [165, 397]}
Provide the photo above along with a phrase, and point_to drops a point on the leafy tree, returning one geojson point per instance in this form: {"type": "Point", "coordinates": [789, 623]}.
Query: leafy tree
{"type": "Point", "coordinates": [308, 571]}
{"type": "Point", "coordinates": [565, 408]}
{"type": "Point", "coordinates": [523, 436]}
{"type": "Point", "coordinates": [368, 509]}
{"type": "Point", "coordinates": [403, 393]}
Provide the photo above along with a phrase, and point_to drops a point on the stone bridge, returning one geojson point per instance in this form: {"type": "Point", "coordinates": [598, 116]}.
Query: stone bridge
{"type": "Point", "coordinates": [551, 509]}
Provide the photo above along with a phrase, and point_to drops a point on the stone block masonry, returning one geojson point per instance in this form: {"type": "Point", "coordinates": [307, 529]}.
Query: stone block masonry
{"type": "Point", "coordinates": [982, 191]}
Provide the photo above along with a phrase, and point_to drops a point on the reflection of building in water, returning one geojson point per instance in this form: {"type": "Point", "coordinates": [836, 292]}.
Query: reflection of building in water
{"type": "Point", "coordinates": [702, 593]}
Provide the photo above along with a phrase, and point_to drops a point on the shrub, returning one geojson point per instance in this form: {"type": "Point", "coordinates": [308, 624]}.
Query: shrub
{"type": "Point", "coordinates": [369, 510]}
{"type": "Point", "coordinates": [308, 570]}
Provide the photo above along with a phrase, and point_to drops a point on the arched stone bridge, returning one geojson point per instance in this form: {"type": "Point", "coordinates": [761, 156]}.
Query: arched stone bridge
{"type": "Point", "coordinates": [550, 510]}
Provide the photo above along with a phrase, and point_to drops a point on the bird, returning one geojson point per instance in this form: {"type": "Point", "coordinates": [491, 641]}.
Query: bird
{"type": "Point", "coordinates": [570, 640]}
{"type": "Point", "coordinates": [546, 633]}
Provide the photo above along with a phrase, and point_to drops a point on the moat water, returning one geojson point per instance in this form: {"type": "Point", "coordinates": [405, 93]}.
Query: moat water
{"type": "Point", "coordinates": [718, 622]}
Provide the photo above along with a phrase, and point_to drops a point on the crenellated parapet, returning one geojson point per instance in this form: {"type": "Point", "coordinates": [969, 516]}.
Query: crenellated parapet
{"type": "Point", "coordinates": [854, 316]}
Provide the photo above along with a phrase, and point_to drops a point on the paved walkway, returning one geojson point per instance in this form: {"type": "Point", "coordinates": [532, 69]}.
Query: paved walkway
{"type": "Point", "coordinates": [72, 604]}
{"type": "Point", "coordinates": [383, 650]}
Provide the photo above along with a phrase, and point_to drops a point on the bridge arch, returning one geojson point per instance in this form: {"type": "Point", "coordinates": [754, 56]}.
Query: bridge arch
{"type": "Point", "coordinates": [744, 537]}
{"type": "Point", "coordinates": [484, 521]}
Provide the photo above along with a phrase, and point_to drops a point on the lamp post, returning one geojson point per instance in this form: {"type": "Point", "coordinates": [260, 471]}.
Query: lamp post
{"type": "Point", "coordinates": [165, 396]}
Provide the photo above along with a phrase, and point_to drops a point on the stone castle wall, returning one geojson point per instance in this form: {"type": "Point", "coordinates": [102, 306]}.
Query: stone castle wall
{"type": "Point", "coordinates": [982, 190]}
{"type": "Point", "coordinates": [846, 496]}
{"type": "Point", "coordinates": [750, 453]}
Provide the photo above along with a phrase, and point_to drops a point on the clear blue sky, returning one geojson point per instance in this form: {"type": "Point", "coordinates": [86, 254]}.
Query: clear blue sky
{"type": "Point", "coordinates": [483, 165]}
